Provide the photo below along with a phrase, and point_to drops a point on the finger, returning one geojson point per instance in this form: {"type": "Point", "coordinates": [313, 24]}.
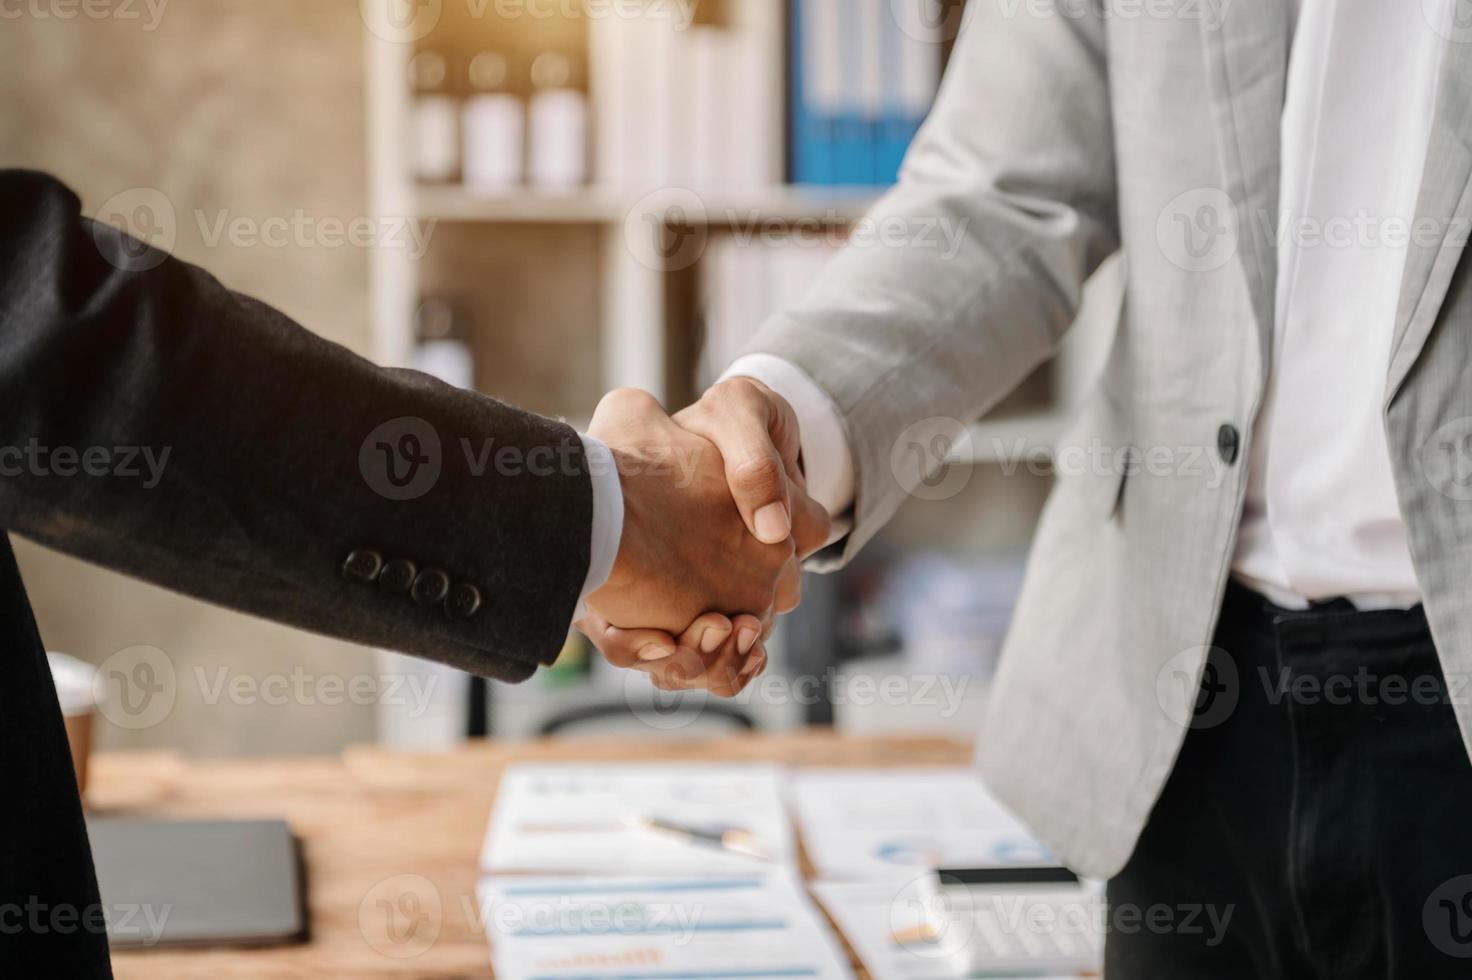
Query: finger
{"type": "Point", "coordinates": [738, 418]}
{"type": "Point", "coordinates": [811, 525]}
{"type": "Point", "coordinates": [740, 660]}
{"type": "Point", "coordinates": [723, 676]}
{"type": "Point", "coordinates": [786, 434]}
{"type": "Point", "coordinates": [759, 486]}
{"type": "Point", "coordinates": [789, 589]}
{"type": "Point", "coordinates": [707, 634]}
{"type": "Point", "coordinates": [756, 665]}
{"type": "Point", "coordinates": [626, 648]}
{"type": "Point", "coordinates": [749, 632]}
{"type": "Point", "coordinates": [685, 671]}
{"type": "Point", "coordinates": [769, 625]}
{"type": "Point", "coordinates": [723, 671]}
{"type": "Point", "coordinates": [749, 629]}
{"type": "Point", "coordinates": [766, 623]}
{"type": "Point", "coordinates": [750, 643]}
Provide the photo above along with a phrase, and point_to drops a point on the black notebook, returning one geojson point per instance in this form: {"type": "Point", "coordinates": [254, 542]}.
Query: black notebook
{"type": "Point", "coordinates": [199, 883]}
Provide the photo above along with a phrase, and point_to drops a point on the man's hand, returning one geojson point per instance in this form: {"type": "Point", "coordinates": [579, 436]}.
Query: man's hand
{"type": "Point", "coordinates": [756, 432]}
{"type": "Point", "coordinates": [685, 548]}
{"type": "Point", "coordinates": [715, 654]}
{"type": "Point", "coordinates": [762, 482]}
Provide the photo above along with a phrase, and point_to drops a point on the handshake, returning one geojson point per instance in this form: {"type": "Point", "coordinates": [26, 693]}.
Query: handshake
{"type": "Point", "coordinates": [716, 520]}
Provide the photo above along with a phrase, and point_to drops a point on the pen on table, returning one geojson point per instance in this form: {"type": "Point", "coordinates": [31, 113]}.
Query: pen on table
{"type": "Point", "coordinates": [733, 839]}
{"type": "Point", "coordinates": [924, 933]}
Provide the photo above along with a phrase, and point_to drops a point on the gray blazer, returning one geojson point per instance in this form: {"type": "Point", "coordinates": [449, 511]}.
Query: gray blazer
{"type": "Point", "coordinates": [1060, 137]}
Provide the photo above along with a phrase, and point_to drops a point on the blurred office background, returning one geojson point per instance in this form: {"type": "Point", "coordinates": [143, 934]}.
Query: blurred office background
{"type": "Point", "coordinates": [561, 197]}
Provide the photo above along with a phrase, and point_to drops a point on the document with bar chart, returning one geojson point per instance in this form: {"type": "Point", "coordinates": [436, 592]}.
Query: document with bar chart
{"type": "Point", "coordinates": [635, 928]}
{"type": "Point", "coordinates": [579, 819]}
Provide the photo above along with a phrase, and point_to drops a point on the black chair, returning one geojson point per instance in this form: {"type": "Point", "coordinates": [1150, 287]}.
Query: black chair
{"type": "Point", "coordinates": [728, 717]}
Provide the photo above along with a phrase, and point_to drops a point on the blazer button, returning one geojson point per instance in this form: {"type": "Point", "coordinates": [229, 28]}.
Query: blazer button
{"type": "Point", "coordinates": [463, 602]}
{"type": "Point", "coordinates": [1228, 443]}
{"type": "Point", "coordinates": [431, 587]}
{"type": "Point", "coordinates": [397, 576]}
{"type": "Point", "coordinates": [362, 565]}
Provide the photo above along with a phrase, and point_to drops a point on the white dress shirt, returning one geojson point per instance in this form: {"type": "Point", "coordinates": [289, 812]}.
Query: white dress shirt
{"type": "Point", "coordinates": [608, 517]}
{"type": "Point", "coordinates": [1322, 519]}
{"type": "Point", "coordinates": [1322, 516]}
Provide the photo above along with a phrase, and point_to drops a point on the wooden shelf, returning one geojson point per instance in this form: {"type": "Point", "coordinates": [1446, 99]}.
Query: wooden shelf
{"type": "Point", "coordinates": [531, 207]}
{"type": "Point", "coordinates": [593, 205]}
{"type": "Point", "coordinates": [527, 251]}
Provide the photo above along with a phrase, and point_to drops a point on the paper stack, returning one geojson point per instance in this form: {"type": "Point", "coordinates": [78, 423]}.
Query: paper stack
{"type": "Point", "coordinates": [877, 839]}
{"type": "Point", "coordinates": [577, 887]}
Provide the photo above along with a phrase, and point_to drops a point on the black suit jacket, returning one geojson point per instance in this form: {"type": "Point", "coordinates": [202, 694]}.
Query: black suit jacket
{"type": "Point", "coordinates": [302, 483]}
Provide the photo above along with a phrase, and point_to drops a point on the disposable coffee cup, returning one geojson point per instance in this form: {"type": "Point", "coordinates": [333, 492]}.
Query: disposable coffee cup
{"type": "Point", "coordinates": [73, 680]}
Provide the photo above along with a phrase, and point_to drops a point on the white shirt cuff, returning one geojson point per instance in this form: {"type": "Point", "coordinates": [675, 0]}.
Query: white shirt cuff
{"type": "Point", "coordinates": [608, 517]}
{"type": "Point", "coordinates": [827, 460]}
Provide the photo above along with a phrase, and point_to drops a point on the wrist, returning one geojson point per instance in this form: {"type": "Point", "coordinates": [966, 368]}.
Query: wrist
{"type": "Point", "coordinates": [627, 566]}
{"type": "Point", "coordinates": [607, 532]}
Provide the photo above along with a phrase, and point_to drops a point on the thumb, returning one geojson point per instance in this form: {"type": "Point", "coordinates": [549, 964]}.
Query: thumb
{"type": "Point", "coordinates": [811, 525]}
{"type": "Point", "coordinates": [744, 424]}
{"type": "Point", "coordinates": [759, 486]}
{"type": "Point", "coordinates": [627, 648]}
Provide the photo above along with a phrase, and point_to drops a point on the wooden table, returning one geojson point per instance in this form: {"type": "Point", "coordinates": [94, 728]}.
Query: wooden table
{"type": "Point", "coordinates": [381, 826]}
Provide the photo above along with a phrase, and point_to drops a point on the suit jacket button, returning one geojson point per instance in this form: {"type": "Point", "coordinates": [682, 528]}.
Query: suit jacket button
{"type": "Point", "coordinates": [463, 602]}
{"type": "Point", "coordinates": [431, 587]}
{"type": "Point", "coordinates": [362, 565]}
{"type": "Point", "coordinates": [397, 576]}
{"type": "Point", "coordinates": [1228, 443]}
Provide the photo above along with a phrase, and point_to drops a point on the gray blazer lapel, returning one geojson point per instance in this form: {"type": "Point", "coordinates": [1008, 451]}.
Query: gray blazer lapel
{"type": "Point", "coordinates": [1247, 61]}
{"type": "Point", "coordinates": [1445, 207]}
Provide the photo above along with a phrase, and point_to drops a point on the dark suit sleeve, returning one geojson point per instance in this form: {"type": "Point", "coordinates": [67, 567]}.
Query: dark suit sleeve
{"type": "Point", "coordinates": [157, 423]}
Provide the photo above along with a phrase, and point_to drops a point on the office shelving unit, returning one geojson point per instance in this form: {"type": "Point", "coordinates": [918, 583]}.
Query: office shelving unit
{"type": "Point", "coordinates": [565, 302]}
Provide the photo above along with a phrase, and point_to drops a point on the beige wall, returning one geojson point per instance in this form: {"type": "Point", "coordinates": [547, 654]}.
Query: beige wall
{"type": "Point", "coordinates": [251, 107]}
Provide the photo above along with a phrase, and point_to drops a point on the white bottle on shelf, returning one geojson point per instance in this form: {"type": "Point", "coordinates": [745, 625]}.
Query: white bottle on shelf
{"type": "Point", "coordinates": [442, 350]}
{"type": "Point", "coordinates": [494, 129]}
{"type": "Point", "coordinates": [435, 133]}
{"type": "Point", "coordinates": [558, 126]}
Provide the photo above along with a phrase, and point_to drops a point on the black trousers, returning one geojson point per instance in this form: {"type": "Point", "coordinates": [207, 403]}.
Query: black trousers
{"type": "Point", "coordinates": [52, 922]}
{"type": "Point", "coordinates": [1318, 822]}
